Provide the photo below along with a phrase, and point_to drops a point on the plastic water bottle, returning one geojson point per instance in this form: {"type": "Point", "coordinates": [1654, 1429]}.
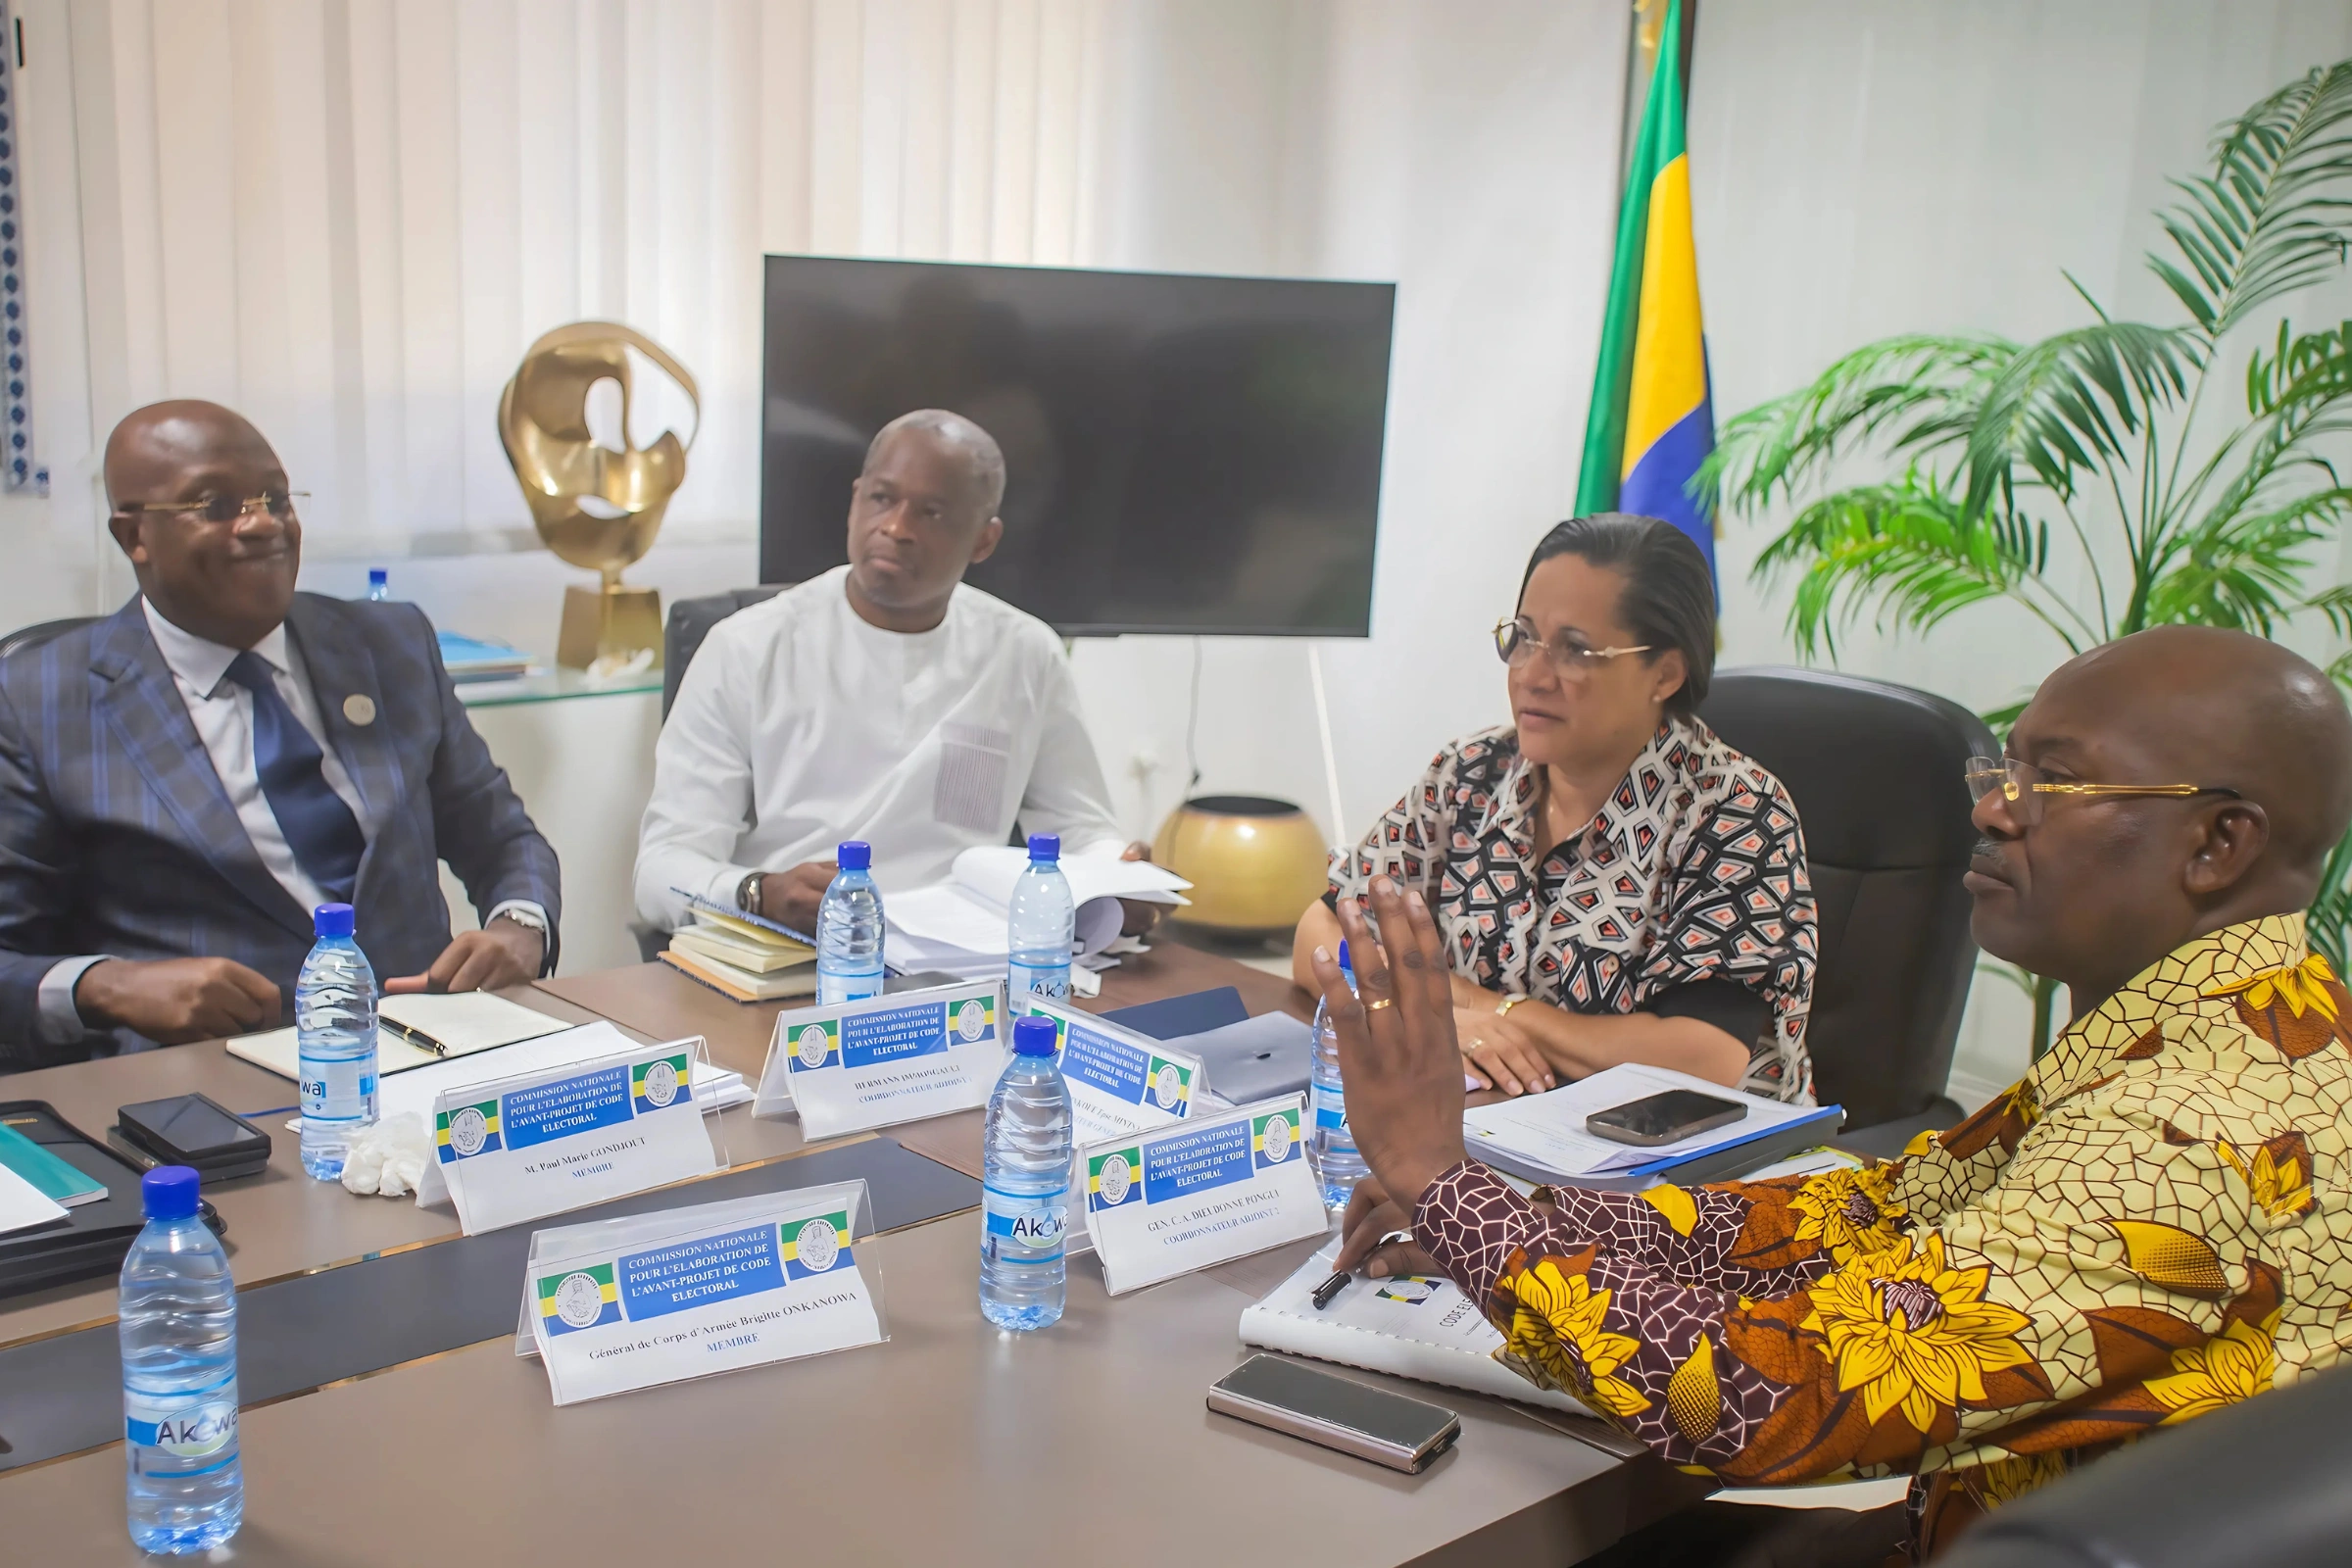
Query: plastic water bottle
{"type": "Point", "coordinates": [178, 1311]}
{"type": "Point", "coordinates": [379, 585]}
{"type": "Point", "coordinates": [1042, 929]}
{"type": "Point", "coordinates": [1336, 1163]}
{"type": "Point", "coordinates": [849, 929]}
{"type": "Point", "coordinates": [334, 1030]}
{"type": "Point", "coordinates": [1025, 1156]}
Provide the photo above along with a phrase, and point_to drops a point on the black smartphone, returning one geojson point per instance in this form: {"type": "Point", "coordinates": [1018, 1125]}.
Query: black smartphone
{"type": "Point", "coordinates": [1665, 1118]}
{"type": "Point", "coordinates": [1336, 1412]}
{"type": "Point", "coordinates": [195, 1130]}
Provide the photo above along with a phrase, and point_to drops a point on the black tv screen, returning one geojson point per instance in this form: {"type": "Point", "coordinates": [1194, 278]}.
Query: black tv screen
{"type": "Point", "coordinates": [1183, 453]}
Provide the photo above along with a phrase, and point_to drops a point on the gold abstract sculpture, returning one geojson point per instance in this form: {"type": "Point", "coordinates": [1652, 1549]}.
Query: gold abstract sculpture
{"type": "Point", "coordinates": [594, 507]}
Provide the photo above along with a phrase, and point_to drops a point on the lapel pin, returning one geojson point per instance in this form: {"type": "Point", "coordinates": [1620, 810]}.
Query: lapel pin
{"type": "Point", "coordinates": [360, 709]}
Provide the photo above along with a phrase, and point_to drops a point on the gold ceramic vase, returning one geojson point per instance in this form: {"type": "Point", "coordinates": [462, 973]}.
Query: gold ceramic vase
{"type": "Point", "coordinates": [1256, 863]}
{"type": "Point", "coordinates": [594, 507]}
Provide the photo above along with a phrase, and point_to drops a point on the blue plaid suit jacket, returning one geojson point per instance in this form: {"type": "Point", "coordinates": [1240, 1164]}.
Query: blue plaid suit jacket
{"type": "Point", "coordinates": [116, 837]}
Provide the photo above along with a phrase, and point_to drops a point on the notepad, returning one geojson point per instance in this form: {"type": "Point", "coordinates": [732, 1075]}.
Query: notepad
{"type": "Point", "coordinates": [1410, 1326]}
{"type": "Point", "coordinates": [415, 1031]}
{"type": "Point", "coordinates": [45, 1173]}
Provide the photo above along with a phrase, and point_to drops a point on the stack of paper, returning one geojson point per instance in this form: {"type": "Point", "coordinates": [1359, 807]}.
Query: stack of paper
{"type": "Point", "coordinates": [1542, 1138]}
{"type": "Point", "coordinates": [957, 926]}
{"type": "Point", "coordinates": [742, 955]}
{"type": "Point", "coordinates": [472, 659]}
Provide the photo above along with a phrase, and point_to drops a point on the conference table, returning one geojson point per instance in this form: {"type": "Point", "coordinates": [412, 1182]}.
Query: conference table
{"type": "Point", "coordinates": [388, 1419]}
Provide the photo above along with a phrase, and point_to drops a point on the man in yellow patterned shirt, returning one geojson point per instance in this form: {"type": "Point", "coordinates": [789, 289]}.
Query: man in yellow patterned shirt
{"type": "Point", "coordinates": [2151, 1224]}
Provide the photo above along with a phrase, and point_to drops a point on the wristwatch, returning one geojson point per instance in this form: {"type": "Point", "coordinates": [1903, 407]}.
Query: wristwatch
{"type": "Point", "coordinates": [746, 892]}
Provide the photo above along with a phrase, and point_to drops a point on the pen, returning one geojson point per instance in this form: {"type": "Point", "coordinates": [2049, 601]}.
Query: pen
{"type": "Point", "coordinates": [1329, 1291]}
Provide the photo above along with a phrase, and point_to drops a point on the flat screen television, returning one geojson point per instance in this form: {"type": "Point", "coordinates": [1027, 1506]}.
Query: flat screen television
{"type": "Point", "coordinates": [1183, 453]}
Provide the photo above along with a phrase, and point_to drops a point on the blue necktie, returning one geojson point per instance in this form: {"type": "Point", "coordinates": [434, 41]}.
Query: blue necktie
{"type": "Point", "coordinates": [319, 829]}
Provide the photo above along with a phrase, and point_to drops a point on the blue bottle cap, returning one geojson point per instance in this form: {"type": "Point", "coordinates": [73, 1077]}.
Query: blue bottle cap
{"type": "Point", "coordinates": [169, 1192]}
{"type": "Point", "coordinates": [377, 576]}
{"type": "Point", "coordinates": [1045, 847]}
{"type": "Point", "coordinates": [853, 855]}
{"type": "Point", "coordinates": [1033, 1037]}
{"type": "Point", "coordinates": [332, 920]}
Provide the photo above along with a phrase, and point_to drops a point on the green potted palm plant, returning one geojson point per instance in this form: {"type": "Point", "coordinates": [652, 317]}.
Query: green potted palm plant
{"type": "Point", "coordinates": [2112, 477]}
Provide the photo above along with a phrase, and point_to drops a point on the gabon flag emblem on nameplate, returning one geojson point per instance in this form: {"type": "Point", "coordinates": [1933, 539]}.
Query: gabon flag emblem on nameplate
{"type": "Point", "coordinates": [660, 1084]}
{"type": "Point", "coordinates": [579, 1299]}
{"type": "Point", "coordinates": [1114, 1178]}
{"type": "Point", "coordinates": [815, 1245]}
{"type": "Point", "coordinates": [464, 1130]}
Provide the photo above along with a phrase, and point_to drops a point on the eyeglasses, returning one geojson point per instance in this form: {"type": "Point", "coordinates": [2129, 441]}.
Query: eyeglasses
{"type": "Point", "coordinates": [279, 504]}
{"type": "Point", "coordinates": [1516, 642]}
{"type": "Point", "coordinates": [2023, 786]}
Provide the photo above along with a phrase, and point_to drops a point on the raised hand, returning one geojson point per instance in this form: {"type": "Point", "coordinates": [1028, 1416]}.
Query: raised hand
{"type": "Point", "coordinates": [1397, 1052]}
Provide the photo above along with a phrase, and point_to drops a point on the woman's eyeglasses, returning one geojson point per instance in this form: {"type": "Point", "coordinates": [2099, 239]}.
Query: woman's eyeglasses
{"type": "Point", "coordinates": [279, 504]}
{"type": "Point", "coordinates": [2023, 786]}
{"type": "Point", "coordinates": [1516, 642]}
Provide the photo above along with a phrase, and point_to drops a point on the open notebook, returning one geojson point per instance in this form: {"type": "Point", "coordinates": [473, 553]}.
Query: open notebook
{"type": "Point", "coordinates": [415, 1031]}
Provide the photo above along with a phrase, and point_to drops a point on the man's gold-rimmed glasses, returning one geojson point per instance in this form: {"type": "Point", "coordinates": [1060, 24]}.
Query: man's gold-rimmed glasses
{"type": "Point", "coordinates": [279, 504]}
{"type": "Point", "coordinates": [2024, 786]}
{"type": "Point", "coordinates": [1515, 641]}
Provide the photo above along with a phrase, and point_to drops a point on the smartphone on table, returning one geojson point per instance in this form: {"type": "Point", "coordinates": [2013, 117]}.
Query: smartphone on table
{"type": "Point", "coordinates": [1336, 1412]}
{"type": "Point", "coordinates": [1663, 1118]}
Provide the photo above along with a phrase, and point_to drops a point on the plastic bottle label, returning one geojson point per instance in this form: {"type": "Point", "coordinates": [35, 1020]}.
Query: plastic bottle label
{"type": "Point", "coordinates": [1026, 1228]}
{"type": "Point", "coordinates": [181, 1432]}
{"type": "Point", "coordinates": [840, 985]}
{"type": "Point", "coordinates": [1331, 1120]}
{"type": "Point", "coordinates": [1046, 981]}
{"type": "Point", "coordinates": [338, 1089]}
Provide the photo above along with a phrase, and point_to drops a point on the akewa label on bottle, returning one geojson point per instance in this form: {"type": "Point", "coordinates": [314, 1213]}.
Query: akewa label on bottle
{"type": "Point", "coordinates": [1028, 1226]}
{"type": "Point", "coordinates": [181, 1431]}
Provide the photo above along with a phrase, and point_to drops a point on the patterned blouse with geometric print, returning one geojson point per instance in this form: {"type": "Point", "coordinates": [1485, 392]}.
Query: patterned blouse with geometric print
{"type": "Point", "coordinates": [1692, 872]}
{"type": "Point", "coordinates": [2152, 1224]}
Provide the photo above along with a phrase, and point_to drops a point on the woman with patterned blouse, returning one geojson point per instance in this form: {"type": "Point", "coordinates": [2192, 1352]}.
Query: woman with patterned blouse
{"type": "Point", "coordinates": [1613, 882]}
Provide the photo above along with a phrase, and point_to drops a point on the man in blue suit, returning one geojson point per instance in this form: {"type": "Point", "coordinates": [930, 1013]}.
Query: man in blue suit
{"type": "Point", "coordinates": [182, 782]}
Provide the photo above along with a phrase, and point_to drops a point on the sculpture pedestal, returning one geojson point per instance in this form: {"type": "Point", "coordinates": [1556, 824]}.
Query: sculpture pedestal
{"type": "Point", "coordinates": [598, 621]}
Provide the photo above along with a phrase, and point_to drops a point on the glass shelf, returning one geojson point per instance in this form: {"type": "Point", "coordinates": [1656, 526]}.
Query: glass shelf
{"type": "Point", "coordinates": [553, 686]}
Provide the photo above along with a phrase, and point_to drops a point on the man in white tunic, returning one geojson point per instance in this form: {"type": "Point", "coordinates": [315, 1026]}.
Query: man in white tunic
{"type": "Point", "coordinates": [883, 700]}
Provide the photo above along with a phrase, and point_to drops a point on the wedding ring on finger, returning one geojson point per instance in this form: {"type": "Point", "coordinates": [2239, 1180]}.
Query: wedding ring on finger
{"type": "Point", "coordinates": [1375, 1007]}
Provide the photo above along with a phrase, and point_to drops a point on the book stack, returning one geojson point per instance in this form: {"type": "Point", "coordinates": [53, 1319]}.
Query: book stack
{"type": "Point", "coordinates": [480, 658]}
{"type": "Point", "coordinates": [742, 955]}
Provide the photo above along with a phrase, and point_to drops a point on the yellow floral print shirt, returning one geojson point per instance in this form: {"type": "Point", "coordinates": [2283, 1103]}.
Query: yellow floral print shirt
{"type": "Point", "coordinates": [2150, 1225]}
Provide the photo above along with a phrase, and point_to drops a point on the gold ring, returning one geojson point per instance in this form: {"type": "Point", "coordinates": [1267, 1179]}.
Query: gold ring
{"type": "Point", "coordinates": [1375, 1007]}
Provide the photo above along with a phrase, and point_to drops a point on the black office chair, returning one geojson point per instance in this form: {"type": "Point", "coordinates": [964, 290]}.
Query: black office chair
{"type": "Point", "coordinates": [2259, 1483]}
{"type": "Point", "coordinates": [1875, 769]}
{"type": "Point", "coordinates": [24, 637]}
{"type": "Point", "coordinates": [691, 621]}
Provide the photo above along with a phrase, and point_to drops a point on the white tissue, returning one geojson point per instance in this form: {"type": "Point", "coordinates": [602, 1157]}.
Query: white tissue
{"type": "Point", "coordinates": [388, 1158]}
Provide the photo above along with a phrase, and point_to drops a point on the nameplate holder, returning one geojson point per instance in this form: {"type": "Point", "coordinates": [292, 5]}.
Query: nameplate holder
{"type": "Point", "coordinates": [852, 1066]}
{"type": "Point", "coordinates": [1120, 1081]}
{"type": "Point", "coordinates": [689, 1292]}
{"type": "Point", "coordinates": [522, 1147]}
{"type": "Point", "coordinates": [1218, 1187]}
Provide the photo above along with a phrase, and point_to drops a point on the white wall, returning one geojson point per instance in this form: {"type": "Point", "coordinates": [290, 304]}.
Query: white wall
{"type": "Point", "coordinates": [1911, 165]}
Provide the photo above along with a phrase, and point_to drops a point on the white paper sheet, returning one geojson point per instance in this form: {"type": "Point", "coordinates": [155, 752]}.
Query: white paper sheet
{"type": "Point", "coordinates": [1548, 1130]}
{"type": "Point", "coordinates": [23, 1205]}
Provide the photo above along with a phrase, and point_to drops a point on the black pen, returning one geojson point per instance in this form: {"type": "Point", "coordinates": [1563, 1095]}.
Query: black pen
{"type": "Point", "coordinates": [1329, 1291]}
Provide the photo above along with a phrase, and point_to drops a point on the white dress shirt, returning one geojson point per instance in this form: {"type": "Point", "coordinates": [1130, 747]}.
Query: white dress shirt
{"type": "Point", "coordinates": [800, 724]}
{"type": "Point", "coordinates": [223, 713]}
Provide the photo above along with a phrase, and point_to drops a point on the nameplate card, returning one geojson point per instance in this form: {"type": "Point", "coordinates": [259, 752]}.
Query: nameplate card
{"type": "Point", "coordinates": [1120, 1082]}
{"type": "Point", "coordinates": [1217, 1188]}
{"type": "Point", "coordinates": [857, 1066]}
{"type": "Point", "coordinates": [507, 1149]}
{"type": "Point", "coordinates": [629, 1304]}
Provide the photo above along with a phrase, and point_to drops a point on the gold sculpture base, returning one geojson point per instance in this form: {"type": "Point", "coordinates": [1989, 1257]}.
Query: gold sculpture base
{"type": "Point", "coordinates": [600, 621]}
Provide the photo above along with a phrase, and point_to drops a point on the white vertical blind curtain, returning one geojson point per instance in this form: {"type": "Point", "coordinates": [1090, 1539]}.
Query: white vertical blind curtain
{"type": "Point", "coordinates": [349, 218]}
